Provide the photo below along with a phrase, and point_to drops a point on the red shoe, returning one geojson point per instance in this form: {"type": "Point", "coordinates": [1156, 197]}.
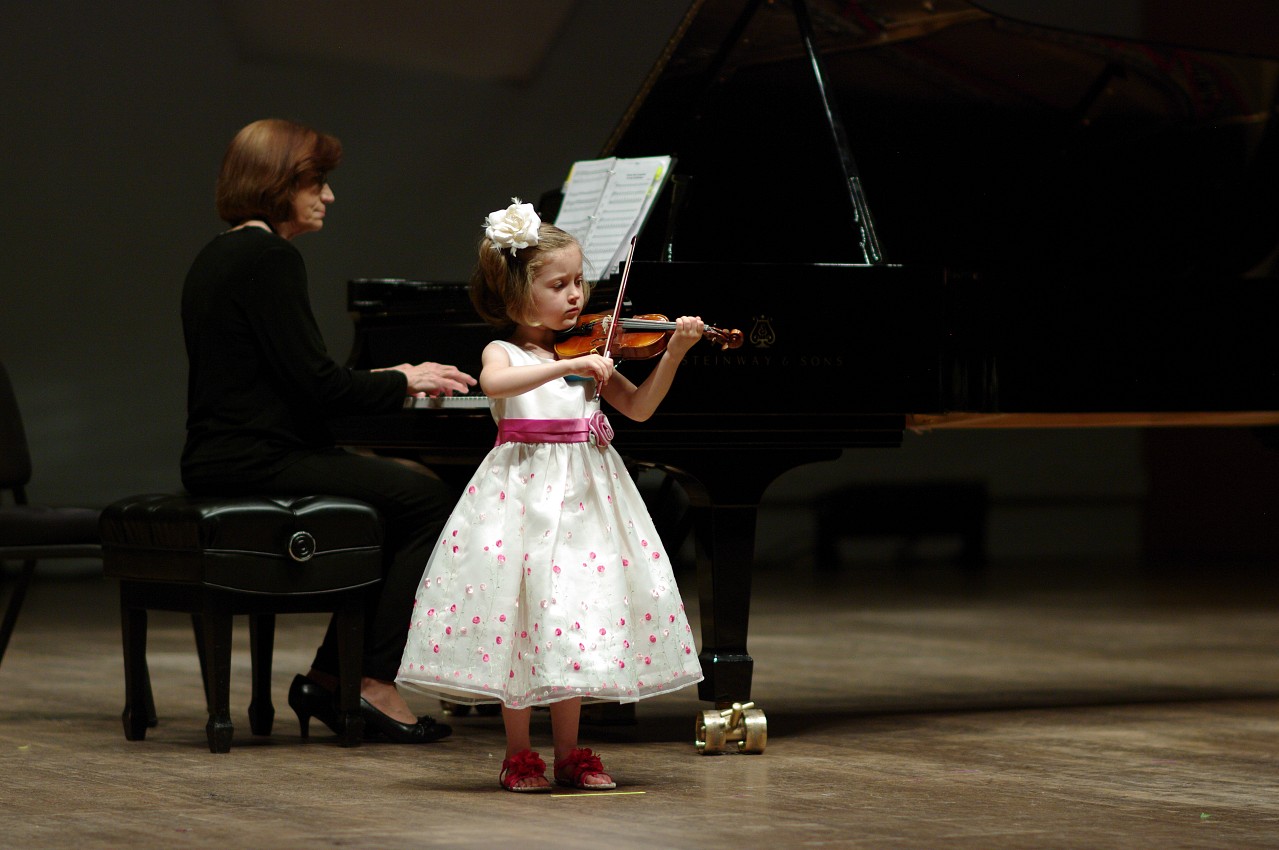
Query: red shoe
{"type": "Point", "coordinates": [572, 771]}
{"type": "Point", "coordinates": [525, 764]}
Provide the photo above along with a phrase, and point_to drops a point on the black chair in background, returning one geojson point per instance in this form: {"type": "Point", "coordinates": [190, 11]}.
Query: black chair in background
{"type": "Point", "coordinates": [32, 533]}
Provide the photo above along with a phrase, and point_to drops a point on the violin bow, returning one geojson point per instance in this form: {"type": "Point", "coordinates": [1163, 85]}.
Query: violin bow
{"type": "Point", "coordinates": [621, 294]}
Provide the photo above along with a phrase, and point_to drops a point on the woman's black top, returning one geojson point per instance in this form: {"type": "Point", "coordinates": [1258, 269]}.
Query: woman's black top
{"type": "Point", "coordinates": [261, 385]}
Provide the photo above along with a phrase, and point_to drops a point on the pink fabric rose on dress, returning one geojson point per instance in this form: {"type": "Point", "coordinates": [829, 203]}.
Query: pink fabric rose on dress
{"type": "Point", "coordinates": [600, 429]}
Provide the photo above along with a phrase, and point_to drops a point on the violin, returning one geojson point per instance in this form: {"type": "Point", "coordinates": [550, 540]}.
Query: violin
{"type": "Point", "coordinates": [641, 337]}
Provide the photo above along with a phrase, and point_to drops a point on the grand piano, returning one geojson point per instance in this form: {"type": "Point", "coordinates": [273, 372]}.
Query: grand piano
{"type": "Point", "coordinates": [921, 215]}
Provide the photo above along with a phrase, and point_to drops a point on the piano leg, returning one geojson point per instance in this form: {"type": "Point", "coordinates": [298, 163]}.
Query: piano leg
{"type": "Point", "coordinates": [725, 541]}
{"type": "Point", "coordinates": [724, 491]}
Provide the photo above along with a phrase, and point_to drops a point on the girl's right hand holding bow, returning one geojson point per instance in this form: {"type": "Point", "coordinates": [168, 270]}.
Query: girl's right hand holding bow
{"type": "Point", "coordinates": [591, 366]}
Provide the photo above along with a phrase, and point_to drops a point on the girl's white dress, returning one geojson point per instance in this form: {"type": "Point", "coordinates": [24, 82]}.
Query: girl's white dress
{"type": "Point", "coordinates": [549, 581]}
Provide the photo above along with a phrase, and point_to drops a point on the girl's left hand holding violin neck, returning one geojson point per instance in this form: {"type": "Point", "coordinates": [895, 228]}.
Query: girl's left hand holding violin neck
{"type": "Point", "coordinates": [688, 330]}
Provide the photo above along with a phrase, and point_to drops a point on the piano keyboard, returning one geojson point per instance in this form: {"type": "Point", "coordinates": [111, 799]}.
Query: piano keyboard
{"type": "Point", "coordinates": [447, 402]}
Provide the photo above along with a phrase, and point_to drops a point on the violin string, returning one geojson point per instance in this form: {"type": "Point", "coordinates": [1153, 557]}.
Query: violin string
{"type": "Point", "coordinates": [647, 325]}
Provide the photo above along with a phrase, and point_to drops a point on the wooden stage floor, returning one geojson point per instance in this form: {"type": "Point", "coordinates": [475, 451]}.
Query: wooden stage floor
{"type": "Point", "coordinates": [1057, 706]}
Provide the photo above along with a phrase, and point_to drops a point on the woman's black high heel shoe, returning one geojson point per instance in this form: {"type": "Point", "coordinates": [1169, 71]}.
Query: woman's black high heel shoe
{"type": "Point", "coordinates": [378, 725]}
{"type": "Point", "coordinates": [307, 699]}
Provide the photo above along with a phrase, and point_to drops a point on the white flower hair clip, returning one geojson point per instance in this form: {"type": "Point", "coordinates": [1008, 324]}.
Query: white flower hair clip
{"type": "Point", "coordinates": [514, 227]}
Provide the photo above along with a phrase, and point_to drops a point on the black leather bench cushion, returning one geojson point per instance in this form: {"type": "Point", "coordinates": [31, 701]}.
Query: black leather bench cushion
{"type": "Point", "coordinates": [259, 544]}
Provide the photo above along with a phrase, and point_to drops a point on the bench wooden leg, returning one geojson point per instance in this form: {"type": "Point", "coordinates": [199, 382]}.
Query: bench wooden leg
{"type": "Point", "coordinates": [261, 644]}
{"type": "Point", "coordinates": [216, 642]}
{"type": "Point", "coordinates": [139, 709]}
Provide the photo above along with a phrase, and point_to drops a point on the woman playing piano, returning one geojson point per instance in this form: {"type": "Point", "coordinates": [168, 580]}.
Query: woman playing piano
{"type": "Point", "coordinates": [261, 387]}
{"type": "Point", "coordinates": [549, 583]}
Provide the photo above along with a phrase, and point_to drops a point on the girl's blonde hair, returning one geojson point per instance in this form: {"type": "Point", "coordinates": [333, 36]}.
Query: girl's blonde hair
{"type": "Point", "coordinates": [502, 285]}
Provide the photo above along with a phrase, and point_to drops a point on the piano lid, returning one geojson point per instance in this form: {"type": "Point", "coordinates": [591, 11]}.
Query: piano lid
{"type": "Point", "coordinates": [1245, 27]}
{"type": "Point", "coordinates": [986, 136]}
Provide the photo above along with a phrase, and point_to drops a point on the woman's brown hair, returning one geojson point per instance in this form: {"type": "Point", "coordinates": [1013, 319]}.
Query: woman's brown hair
{"type": "Point", "coordinates": [266, 163]}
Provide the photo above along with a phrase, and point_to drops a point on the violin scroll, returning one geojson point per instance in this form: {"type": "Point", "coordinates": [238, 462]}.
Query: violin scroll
{"type": "Point", "coordinates": [725, 339]}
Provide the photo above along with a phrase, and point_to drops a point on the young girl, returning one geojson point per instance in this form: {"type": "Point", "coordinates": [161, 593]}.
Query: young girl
{"type": "Point", "coordinates": [549, 584]}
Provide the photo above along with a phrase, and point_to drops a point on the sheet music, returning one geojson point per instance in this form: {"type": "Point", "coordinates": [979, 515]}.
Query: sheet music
{"type": "Point", "coordinates": [606, 201]}
{"type": "Point", "coordinates": [583, 189]}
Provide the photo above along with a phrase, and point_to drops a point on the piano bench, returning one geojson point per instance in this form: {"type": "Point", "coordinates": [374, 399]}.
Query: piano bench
{"type": "Point", "coordinates": [214, 557]}
{"type": "Point", "coordinates": [908, 510]}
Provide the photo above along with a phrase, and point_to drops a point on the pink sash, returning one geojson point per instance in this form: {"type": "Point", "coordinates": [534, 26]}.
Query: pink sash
{"type": "Point", "coordinates": [595, 429]}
